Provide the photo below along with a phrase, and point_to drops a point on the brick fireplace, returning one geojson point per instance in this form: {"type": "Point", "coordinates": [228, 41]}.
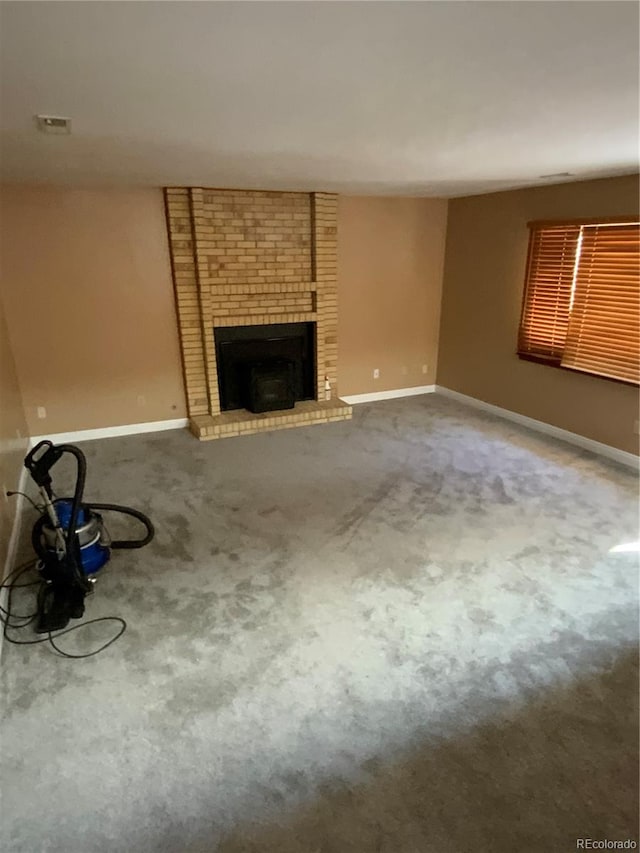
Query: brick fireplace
{"type": "Point", "coordinates": [253, 259]}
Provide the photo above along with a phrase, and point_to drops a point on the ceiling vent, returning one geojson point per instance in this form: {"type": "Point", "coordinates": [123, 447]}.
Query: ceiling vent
{"type": "Point", "coordinates": [54, 124]}
{"type": "Point", "coordinates": [559, 175]}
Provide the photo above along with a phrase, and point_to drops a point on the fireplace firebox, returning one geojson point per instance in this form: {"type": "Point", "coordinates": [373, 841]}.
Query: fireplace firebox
{"type": "Point", "coordinates": [270, 386]}
{"type": "Point", "coordinates": [265, 368]}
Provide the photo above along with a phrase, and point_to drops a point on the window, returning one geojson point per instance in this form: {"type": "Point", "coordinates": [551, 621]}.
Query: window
{"type": "Point", "coordinates": [581, 306]}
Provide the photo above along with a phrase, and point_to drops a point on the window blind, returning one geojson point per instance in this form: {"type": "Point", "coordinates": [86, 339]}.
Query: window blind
{"type": "Point", "coordinates": [581, 305]}
{"type": "Point", "coordinates": [545, 316]}
{"type": "Point", "coordinates": [604, 327]}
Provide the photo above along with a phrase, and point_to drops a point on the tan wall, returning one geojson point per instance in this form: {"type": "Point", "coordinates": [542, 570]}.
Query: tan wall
{"type": "Point", "coordinates": [89, 303]}
{"type": "Point", "coordinates": [484, 274]}
{"type": "Point", "coordinates": [13, 440]}
{"type": "Point", "coordinates": [390, 265]}
{"type": "Point", "coordinates": [90, 307]}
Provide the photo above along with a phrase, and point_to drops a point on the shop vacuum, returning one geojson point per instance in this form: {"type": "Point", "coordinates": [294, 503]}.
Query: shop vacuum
{"type": "Point", "coordinates": [70, 539]}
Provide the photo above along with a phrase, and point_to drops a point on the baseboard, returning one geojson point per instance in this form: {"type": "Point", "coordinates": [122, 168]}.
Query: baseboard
{"type": "Point", "coordinates": [14, 539]}
{"type": "Point", "coordinates": [630, 460]}
{"type": "Point", "coordinates": [112, 432]}
{"type": "Point", "coordinates": [389, 395]}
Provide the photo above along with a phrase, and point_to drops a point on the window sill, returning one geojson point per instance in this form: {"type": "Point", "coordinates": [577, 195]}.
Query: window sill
{"type": "Point", "coordinates": [539, 359]}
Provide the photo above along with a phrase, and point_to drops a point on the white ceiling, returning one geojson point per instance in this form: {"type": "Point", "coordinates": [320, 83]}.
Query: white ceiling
{"type": "Point", "coordinates": [433, 98]}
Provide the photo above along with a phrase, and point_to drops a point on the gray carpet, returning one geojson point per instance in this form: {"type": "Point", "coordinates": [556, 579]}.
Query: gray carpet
{"type": "Point", "coordinates": [402, 634]}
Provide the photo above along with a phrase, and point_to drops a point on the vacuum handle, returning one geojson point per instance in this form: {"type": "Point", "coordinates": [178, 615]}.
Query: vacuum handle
{"type": "Point", "coordinates": [40, 461]}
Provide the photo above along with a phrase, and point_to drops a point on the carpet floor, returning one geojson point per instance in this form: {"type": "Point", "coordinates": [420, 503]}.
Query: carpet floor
{"type": "Point", "coordinates": [407, 633]}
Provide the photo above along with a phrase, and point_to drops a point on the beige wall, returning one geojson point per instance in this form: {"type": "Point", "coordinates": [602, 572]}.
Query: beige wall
{"type": "Point", "coordinates": [13, 440]}
{"type": "Point", "coordinates": [484, 273]}
{"type": "Point", "coordinates": [89, 304]}
{"type": "Point", "coordinates": [390, 263]}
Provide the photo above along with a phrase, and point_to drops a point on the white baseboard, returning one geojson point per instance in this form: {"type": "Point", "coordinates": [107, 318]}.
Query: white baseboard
{"type": "Point", "coordinates": [111, 432]}
{"type": "Point", "coordinates": [621, 456]}
{"type": "Point", "coordinates": [389, 395]}
{"type": "Point", "coordinates": [14, 539]}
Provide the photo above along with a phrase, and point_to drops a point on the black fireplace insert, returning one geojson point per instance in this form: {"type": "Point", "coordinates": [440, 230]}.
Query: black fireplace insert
{"type": "Point", "coordinates": [265, 368]}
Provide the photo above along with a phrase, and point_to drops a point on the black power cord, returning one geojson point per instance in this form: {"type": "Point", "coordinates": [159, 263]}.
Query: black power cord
{"type": "Point", "coordinates": [7, 616]}
{"type": "Point", "coordinates": [4, 613]}
{"type": "Point", "coordinates": [37, 508]}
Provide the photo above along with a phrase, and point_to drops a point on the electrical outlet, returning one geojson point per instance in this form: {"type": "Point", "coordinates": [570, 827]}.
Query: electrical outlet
{"type": "Point", "coordinates": [42, 412]}
{"type": "Point", "coordinates": [376, 373]}
{"type": "Point", "coordinates": [404, 370]}
{"type": "Point", "coordinates": [425, 368]}
{"type": "Point", "coordinates": [142, 401]}
{"type": "Point", "coordinates": [636, 427]}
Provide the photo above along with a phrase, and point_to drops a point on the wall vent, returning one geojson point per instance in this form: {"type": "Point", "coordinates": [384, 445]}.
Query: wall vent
{"type": "Point", "coordinates": [54, 124]}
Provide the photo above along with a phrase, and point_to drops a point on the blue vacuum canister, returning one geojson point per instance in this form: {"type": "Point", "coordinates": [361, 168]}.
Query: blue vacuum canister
{"type": "Point", "coordinates": [94, 553]}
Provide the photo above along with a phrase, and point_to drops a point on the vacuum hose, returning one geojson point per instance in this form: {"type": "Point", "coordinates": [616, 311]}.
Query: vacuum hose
{"type": "Point", "coordinates": [38, 527]}
{"type": "Point", "coordinates": [74, 559]}
{"type": "Point", "coordinates": [135, 513]}
{"type": "Point", "coordinates": [39, 463]}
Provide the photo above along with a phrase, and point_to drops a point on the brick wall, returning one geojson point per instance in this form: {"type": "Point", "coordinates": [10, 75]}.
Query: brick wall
{"type": "Point", "coordinates": [247, 258]}
{"type": "Point", "coordinates": [253, 237]}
